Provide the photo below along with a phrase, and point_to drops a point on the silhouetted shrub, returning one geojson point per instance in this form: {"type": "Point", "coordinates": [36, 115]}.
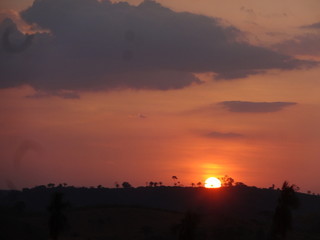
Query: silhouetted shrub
{"type": "Point", "coordinates": [126, 185]}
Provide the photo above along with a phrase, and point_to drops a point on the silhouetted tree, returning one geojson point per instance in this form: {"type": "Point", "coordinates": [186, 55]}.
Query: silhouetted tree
{"type": "Point", "coordinates": [226, 181]}
{"type": "Point", "coordinates": [187, 227]}
{"type": "Point", "coordinates": [155, 184]}
{"type": "Point", "coordinates": [151, 184]}
{"type": "Point", "coordinates": [126, 185]}
{"type": "Point", "coordinates": [160, 183]}
{"type": "Point", "coordinates": [192, 184]}
{"type": "Point", "coordinates": [50, 185]}
{"type": "Point", "coordinates": [174, 178]}
{"type": "Point", "coordinates": [57, 220]}
{"type": "Point", "coordinates": [199, 184]}
{"type": "Point", "coordinates": [282, 219]}
{"type": "Point", "coordinates": [117, 184]}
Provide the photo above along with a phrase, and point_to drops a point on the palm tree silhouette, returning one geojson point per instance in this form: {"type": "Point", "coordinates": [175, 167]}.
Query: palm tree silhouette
{"type": "Point", "coordinates": [282, 219]}
{"type": "Point", "coordinates": [187, 227]}
{"type": "Point", "coordinates": [57, 220]}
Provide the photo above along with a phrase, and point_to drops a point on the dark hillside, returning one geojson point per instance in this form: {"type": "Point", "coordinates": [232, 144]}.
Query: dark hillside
{"type": "Point", "coordinates": [233, 200]}
{"type": "Point", "coordinates": [154, 213]}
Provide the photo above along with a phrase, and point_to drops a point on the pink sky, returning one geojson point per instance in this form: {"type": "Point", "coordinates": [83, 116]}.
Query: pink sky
{"type": "Point", "coordinates": [260, 128]}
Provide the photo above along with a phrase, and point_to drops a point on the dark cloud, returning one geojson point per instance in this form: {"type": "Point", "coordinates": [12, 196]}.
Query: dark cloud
{"type": "Point", "coordinates": [222, 135]}
{"type": "Point", "coordinates": [12, 47]}
{"type": "Point", "coordinates": [98, 45]}
{"type": "Point", "coordinates": [255, 107]}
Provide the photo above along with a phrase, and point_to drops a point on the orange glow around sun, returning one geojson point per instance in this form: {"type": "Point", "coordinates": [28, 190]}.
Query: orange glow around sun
{"type": "Point", "coordinates": [212, 182]}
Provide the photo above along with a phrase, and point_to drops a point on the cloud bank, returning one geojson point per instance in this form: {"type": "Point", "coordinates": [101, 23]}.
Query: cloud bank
{"type": "Point", "coordinates": [255, 107]}
{"type": "Point", "coordinates": [99, 45]}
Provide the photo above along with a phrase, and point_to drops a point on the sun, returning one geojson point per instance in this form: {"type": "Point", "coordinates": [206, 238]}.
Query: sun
{"type": "Point", "coordinates": [212, 182]}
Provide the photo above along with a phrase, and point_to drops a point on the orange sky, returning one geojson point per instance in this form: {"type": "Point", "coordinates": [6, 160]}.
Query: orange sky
{"type": "Point", "coordinates": [150, 135]}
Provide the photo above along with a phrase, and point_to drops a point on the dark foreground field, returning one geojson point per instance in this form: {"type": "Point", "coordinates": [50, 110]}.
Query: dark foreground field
{"type": "Point", "coordinates": [155, 213]}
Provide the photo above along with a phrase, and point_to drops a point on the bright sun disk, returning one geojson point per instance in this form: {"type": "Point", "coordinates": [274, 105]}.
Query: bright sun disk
{"type": "Point", "coordinates": [212, 182]}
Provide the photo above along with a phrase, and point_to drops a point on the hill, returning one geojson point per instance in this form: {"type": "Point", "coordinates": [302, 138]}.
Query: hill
{"type": "Point", "coordinates": [154, 213]}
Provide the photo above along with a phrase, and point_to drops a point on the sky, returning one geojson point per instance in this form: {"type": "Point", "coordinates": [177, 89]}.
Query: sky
{"type": "Point", "coordinates": [98, 92]}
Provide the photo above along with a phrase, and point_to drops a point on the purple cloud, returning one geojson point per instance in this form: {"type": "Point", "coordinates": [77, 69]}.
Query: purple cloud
{"type": "Point", "coordinates": [255, 107]}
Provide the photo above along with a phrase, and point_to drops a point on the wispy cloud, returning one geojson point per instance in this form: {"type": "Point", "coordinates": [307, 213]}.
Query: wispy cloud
{"type": "Point", "coordinates": [306, 44]}
{"type": "Point", "coordinates": [139, 115]}
{"type": "Point", "coordinates": [61, 94]}
{"type": "Point", "coordinates": [303, 44]}
{"type": "Point", "coordinates": [23, 148]}
{"type": "Point", "coordinates": [223, 135]}
{"type": "Point", "coordinates": [312, 26]}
